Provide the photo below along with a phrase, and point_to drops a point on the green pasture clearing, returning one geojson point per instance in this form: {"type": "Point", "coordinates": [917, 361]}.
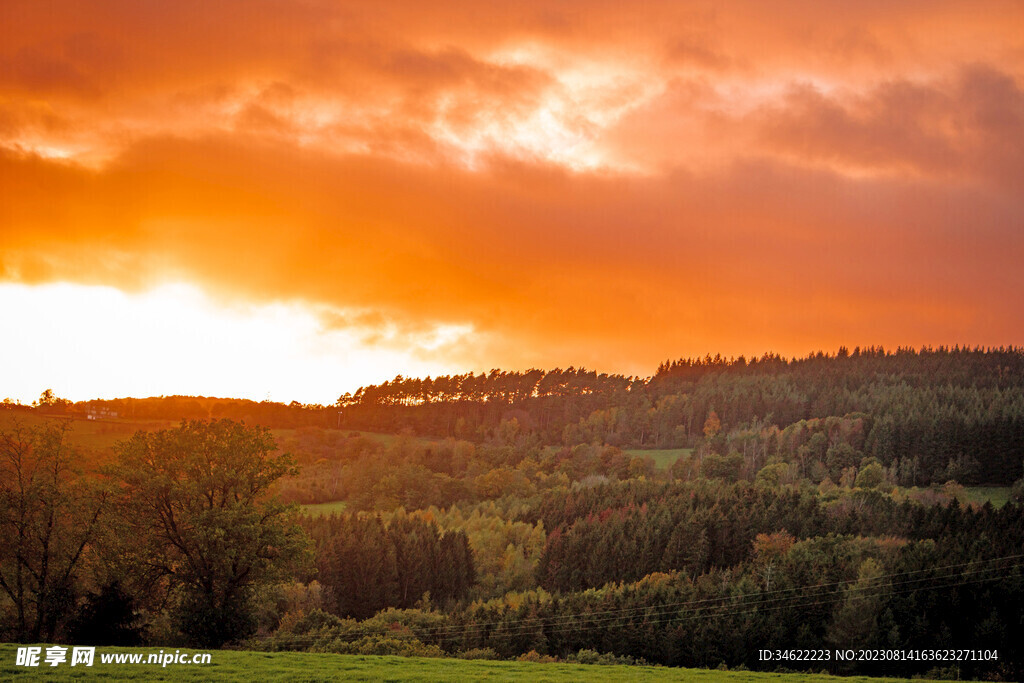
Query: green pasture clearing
{"type": "Point", "coordinates": [102, 435]}
{"type": "Point", "coordinates": [386, 439]}
{"type": "Point", "coordinates": [663, 457]}
{"type": "Point", "coordinates": [997, 495]}
{"type": "Point", "coordinates": [322, 509]}
{"type": "Point", "coordinates": [89, 435]}
{"type": "Point", "coordinates": [229, 665]}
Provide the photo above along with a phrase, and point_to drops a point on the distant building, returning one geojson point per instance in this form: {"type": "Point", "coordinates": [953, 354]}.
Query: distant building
{"type": "Point", "coordinates": [100, 414]}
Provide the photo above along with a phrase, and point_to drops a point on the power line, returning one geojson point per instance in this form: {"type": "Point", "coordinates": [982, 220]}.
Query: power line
{"type": "Point", "coordinates": [675, 611]}
{"type": "Point", "coordinates": [677, 607]}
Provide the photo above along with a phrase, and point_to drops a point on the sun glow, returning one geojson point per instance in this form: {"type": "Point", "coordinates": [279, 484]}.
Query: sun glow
{"type": "Point", "coordinates": [99, 342]}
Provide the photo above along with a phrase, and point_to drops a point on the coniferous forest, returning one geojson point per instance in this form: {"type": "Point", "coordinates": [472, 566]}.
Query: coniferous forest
{"type": "Point", "coordinates": [864, 500]}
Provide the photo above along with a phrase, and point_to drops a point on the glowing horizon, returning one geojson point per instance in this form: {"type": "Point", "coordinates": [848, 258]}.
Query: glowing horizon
{"type": "Point", "coordinates": [177, 339]}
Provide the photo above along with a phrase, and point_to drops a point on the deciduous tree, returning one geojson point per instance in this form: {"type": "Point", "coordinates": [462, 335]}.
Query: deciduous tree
{"type": "Point", "coordinates": [197, 500]}
{"type": "Point", "coordinates": [49, 515]}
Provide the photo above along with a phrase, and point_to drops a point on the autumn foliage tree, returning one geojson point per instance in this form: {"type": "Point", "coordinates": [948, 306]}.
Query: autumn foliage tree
{"type": "Point", "coordinates": [196, 502]}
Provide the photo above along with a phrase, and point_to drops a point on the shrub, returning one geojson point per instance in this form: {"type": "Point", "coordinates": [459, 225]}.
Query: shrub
{"type": "Point", "coordinates": [536, 657]}
{"type": "Point", "coordinates": [586, 656]}
{"type": "Point", "coordinates": [381, 645]}
{"type": "Point", "coordinates": [479, 653]}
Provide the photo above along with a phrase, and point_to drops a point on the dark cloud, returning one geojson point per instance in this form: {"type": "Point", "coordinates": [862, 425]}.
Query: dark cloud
{"type": "Point", "coordinates": [971, 124]}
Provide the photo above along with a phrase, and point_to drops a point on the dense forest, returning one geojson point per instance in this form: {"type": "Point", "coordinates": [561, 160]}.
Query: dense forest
{"type": "Point", "coordinates": [693, 518]}
{"type": "Point", "coordinates": [932, 415]}
{"type": "Point", "coordinates": [700, 573]}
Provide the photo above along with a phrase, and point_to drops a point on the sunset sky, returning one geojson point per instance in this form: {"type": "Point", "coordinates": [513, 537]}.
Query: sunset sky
{"type": "Point", "coordinates": [291, 199]}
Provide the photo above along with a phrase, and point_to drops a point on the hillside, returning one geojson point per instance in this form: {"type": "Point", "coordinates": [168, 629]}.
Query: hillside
{"type": "Point", "coordinates": [864, 499]}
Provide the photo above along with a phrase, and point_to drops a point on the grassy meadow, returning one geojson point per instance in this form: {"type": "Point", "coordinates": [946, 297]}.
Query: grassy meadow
{"type": "Point", "coordinates": [319, 509]}
{"type": "Point", "coordinates": [229, 665]}
{"type": "Point", "coordinates": [92, 436]}
{"type": "Point", "coordinates": [997, 495]}
{"type": "Point", "coordinates": [663, 457]}
{"type": "Point", "coordinates": [97, 436]}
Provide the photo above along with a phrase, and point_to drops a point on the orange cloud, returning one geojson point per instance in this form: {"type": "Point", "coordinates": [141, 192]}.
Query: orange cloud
{"type": "Point", "coordinates": [579, 184]}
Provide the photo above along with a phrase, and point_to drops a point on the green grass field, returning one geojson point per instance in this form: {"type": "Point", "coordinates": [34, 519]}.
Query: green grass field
{"type": "Point", "coordinates": [89, 435]}
{"type": "Point", "coordinates": [664, 457]}
{"type": "Point", "coordinates": [385, 439]}
{"type": "Point", "coordinates": [997, 495]}
{"type": "Point", "coordinates": [229, 665]}
{"type": "Point", "coordinates": [321, 509]}
{"type": "Point", "coordinates": [102, 435]}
